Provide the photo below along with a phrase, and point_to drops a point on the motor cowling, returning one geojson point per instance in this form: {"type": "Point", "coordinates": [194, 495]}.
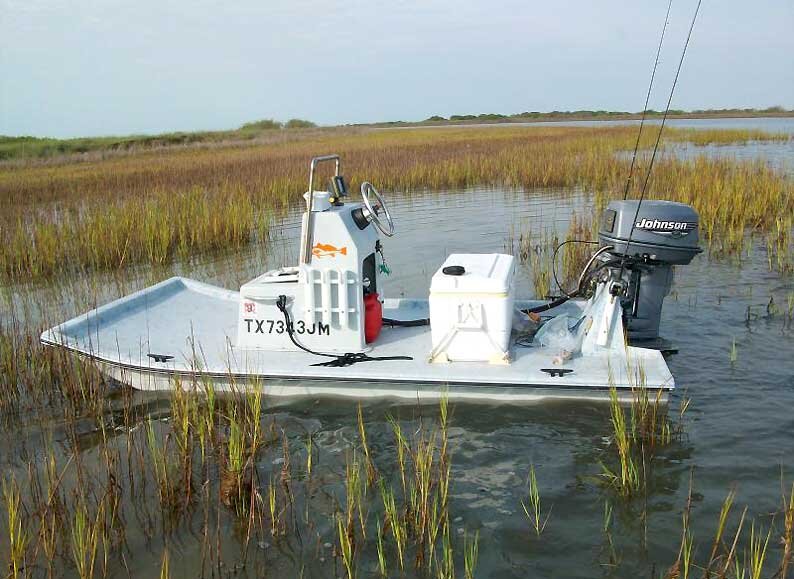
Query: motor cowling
{"type": "Point", "coordinates": [647, 238]}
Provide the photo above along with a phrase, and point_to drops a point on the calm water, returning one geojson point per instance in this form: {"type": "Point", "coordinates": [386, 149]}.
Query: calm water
{"type": "Point", "coordinates": [740, 426]}
{"type": "Point", "coordinates": [771, 124]}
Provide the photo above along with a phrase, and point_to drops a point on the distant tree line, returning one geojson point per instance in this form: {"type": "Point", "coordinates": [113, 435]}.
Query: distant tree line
{"type": "Point", "coordinates": [270, 125]}
{"type": "Point", "coordinates": [586, 113]}
{"type": "Point", "coordinates": [43, 147]}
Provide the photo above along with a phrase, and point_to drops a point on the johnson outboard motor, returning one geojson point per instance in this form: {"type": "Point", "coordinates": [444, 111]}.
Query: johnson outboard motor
{"type": "Point", "coordinates": [645, 244]}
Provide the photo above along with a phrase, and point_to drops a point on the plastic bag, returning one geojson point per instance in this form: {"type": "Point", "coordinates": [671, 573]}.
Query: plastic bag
{"type": "Point", "coordinates": [562, 335]}
{"type": "Point", "coordinates": [556, 334]}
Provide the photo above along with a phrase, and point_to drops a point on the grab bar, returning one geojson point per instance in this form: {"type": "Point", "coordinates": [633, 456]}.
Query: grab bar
{"type": "Point", "coordinates": [306, 239]}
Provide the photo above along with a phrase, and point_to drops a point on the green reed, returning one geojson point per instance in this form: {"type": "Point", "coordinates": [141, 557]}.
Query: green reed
{"type": "Point", "coordinates": [756, 555]}
{"type": "Point", "coordinates": [309, 455]}
{"type": "Point", "coordinates": [537, 255]}
{"type": "Point", "coordinates": [382, 569]}
{"type": "Point", "coordinates": [345, 546]}
{"type": "Point", "coordinates": [276, 524]}
{"type": "Point", "coordinates": [787, 539]}
{"type": "Point", "coordinates": [519, 244]}
{"type": "Point", "coordinates": [154, 475]}
{"type": "Point", "coordinates": [18, 533]}
{"type": "Point", "coordinates": [638, 437]}
{"type": "Point", "coordinates": [244, 440]}
{"type": "Point", "coordinates": [471, 554]}
{"type": "Point", "coordinates": [737, 553]}
{"type": "Point", "coordinates": [394, 521]}
{"type": "Point", "coordinates": [539, 262]}
{"type": "Point", "coordinates": [534, 512]}
{"type": "Point", "coordinates": [165, 566]}
{"type": "Point", "coordinates": [355, 487]}
{"type": "Point", "coordinates": [703, 137]}
{"type": "Point", "coordinates": [725, 510]}
{"type": "Point", "coordinates": [86, 536]}
{"type": "Point", "coordinates": [163, 469]}
{"type": "Point", "coordinates": [401, 445]}
{"type": "Point", "coordinates": [627, 479]}
{"type": "Point", "coordinates": [576, 250]}
{"type": "Point", "coordinates": [371, 471]}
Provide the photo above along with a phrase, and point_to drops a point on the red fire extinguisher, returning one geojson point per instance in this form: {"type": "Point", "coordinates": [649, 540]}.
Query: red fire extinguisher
{"type": "Point", "coordinates": [373, 317]}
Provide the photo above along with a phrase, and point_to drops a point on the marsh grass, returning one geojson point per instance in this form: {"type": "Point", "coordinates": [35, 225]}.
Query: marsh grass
{"type": "Point", "coordinates": [382, 568]}
{"type": "Point", "coordinates": [780, 245]}
{"type": "Point", "coordinates": [355, 513]}
{"type": "Point", "coordinates": [163, 227]}
{"type": "Point", "coordinates": [165, 566]}
{"type": "Point", "coordinates": [735, 553]}
{"type": "Point", "coordinates": [165, 472]}
{"type": "Point", "coordinates": [627, 477]}
{"type": "Point", "coordinates": [703, 137]}
{"type": "Point", "coordinates": [345, 547]}
{"type": "Point", "coordinates": [18, 533]}
{"type": "Point", "coordinates": [536, 255]}
{"type": "Point", "coordinates": [238, 486]}
{"type": "Point", "coordinates": [471, 549]}
{"type": "Point", "coordinates": [756, 552]}
{"type": "Point", "coordinates": [540, 266]}
{"type": "Point", "coordinates": [519, 243]}
{"type": "Point", "coordinates": [639, 432]}
{"type": "Point", "coordinates": [534, 511]}
{"type": "Point", "coordinates": [149, 208]}
{"type": "Point", "coordinates": [372, 473]}
{"type": "Point", "coordinates": [86, 535]}
{"type": "Point", "coordinates": [577, 250]}
{"type": "Point", "coordinates": [790, 306]}
{"type": "Point", "coordinates": [414, 521]}
{"type": "Point", "coordinates": [787, 538]}
{"type": "Point", "coordinates": [32, 375]}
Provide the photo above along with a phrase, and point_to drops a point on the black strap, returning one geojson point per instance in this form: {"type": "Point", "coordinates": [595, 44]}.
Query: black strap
{"type": "Point", "coordinates": [338, 361]}
{"type": "Point", "coordinates": [406, 323]}
{"type": "Point", "coordinates": [354, 358]}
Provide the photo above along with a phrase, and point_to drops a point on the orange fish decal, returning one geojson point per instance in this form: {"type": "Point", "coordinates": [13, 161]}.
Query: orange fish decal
{"type": "Point", "coordinates": [327, 250]}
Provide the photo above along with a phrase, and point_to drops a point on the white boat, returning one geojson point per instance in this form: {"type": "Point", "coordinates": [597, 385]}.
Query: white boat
{"type": "Point", "coordinates": [322, 328]}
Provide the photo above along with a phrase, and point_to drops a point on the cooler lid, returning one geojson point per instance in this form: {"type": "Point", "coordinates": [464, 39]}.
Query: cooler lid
{"type": "Point", "coordinates": [483, 273]}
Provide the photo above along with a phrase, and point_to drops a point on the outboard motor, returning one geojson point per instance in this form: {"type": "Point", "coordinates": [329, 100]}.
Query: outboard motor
{"type": "Point", "coordinates": [645, 244]}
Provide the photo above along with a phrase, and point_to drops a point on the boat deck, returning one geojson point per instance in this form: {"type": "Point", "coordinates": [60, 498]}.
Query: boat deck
{"type": "Point", "coordinates": [189, 329]}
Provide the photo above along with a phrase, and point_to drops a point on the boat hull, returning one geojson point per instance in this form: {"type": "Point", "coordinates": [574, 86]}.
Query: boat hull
{"type": "Point", "coordinates": [278, 387]}
{"type": "Point", "coordinates": [182, 333]}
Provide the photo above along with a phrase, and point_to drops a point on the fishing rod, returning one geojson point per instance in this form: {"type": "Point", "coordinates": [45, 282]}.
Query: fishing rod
{"type": "Point", "coordinates": [658, 139]}
{"type": "Point", "coordinates": [633, 157]}
{"type": "Point", "coordinates": [647, 98]}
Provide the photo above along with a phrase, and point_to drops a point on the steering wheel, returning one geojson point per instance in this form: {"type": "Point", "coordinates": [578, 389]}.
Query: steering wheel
{"type": "Point", "coordinates": [386, 225]}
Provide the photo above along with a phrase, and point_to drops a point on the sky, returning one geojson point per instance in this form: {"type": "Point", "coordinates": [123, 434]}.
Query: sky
{"type": "Point", "coordinates": [102, 67]}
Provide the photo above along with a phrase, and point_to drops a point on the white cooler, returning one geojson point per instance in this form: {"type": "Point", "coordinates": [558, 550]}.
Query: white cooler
{"type": "Point", "coordinates": [471, 313]}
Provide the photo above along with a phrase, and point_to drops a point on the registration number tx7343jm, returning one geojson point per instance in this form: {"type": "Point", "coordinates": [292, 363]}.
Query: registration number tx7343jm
{"type": "Point", "coordinates": [254, 326]}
